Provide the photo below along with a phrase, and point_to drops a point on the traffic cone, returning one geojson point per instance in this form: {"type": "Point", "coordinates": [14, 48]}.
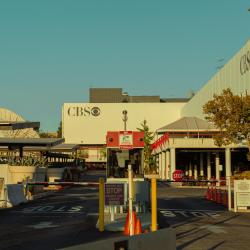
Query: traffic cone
{"type": "Point", "coordinates": [217, 195]}
{"type": "Point", "coordinates": [126, 227]}
{"type": "Point", "coordinates": [207, 194]}
{"type": "Point", "coordinates": [224, 200]}
{"type": "Point", "coordinates": [138, 229]}
{"type": "Point", "coordinates": [126, 230]}
{"type": "Point", "coordinates": [210, 194]}
{"type": "Point", "coordinates": [214, 194]}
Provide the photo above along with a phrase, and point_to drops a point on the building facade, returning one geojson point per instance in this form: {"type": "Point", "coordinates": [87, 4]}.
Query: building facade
{"type": "Point", "coordinates": [88, 123]}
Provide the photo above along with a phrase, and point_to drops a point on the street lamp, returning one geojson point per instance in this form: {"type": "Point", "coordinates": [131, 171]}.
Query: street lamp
{"type": "Point", "coordinates": [125, 118]}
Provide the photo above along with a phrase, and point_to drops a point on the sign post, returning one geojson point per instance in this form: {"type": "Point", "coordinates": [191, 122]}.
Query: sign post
{"type": "Point", "coordinates": [241, 195]}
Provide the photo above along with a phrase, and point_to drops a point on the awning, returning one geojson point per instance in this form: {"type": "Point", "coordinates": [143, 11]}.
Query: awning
{"type": "Point", "coordinates": [36, 142]}
{"type": "Point", "coordinates": [64, 147]}
{"type": "Point", "coordinates": [20, 143]}
{"type": "Point", "coordinates": [9, 125]}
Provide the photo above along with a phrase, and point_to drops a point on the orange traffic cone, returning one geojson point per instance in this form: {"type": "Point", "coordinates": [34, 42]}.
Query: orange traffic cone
{"type": "Point", "coordinates": [126, 230]}
{"type": "Point", "coordinates": [138, 229]}
{"type": "Point", "coordinates": [207, 194]}
{"type": "Point", "coordinates": [126, 227]}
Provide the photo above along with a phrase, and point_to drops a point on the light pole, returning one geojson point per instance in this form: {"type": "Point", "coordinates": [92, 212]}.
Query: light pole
{"type": "Point", "coordinates": [125, 118]}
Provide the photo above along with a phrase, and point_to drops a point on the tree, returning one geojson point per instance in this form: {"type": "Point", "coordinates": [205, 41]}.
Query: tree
{"type": "Point", "coordinates": [43, 134]}
{"type": "Point", "coordinates": [149, 165]}
{"type": "Point", "coordinates": [59, 130]}
{"type": "Point", "coordinates": [231, 115]}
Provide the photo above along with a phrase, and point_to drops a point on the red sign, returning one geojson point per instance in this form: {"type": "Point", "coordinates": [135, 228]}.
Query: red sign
{"type": "Point", "coordinates": [178, 175]}
{"type": "Point", "coordinates": [125, 139]}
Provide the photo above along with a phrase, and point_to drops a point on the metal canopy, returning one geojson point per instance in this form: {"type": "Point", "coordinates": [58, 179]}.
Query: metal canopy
{"type": "Point", "coordinates": [64, 147]}
{"type": "Point", "coordinates": [34, 142]}
{"type": "Point", "coordinates": [10, 125]}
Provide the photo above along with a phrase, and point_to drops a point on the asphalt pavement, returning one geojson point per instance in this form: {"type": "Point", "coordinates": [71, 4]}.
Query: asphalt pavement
{"type": "Point", "coordinates": [65, 218]}
{"type": "Point", "coordinates": [68, 217]}
{"type": "Point", "coordinates": [202, 224]}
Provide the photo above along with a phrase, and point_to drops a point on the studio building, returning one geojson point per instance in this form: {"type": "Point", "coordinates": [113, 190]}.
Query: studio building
{"type": "Point", "coordinates": [190, 146]}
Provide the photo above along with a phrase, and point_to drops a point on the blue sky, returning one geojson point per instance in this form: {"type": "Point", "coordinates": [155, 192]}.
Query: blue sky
{"type": "Point", "coordinates": [53, 51]}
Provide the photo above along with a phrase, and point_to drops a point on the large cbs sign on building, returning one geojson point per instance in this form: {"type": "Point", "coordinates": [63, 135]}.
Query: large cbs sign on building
{"type": "Point", "coordinates": [88, 123]}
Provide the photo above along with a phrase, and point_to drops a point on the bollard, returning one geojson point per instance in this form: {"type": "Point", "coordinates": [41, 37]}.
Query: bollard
{"type": "Point", "coordinates": [101, 204]}
{"type": "Point", "coordinates": [153, 205]}
{"type": "Point", "coordinates": [130, 200]}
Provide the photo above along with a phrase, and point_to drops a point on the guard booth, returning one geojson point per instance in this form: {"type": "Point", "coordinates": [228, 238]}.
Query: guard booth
{"type": "Point", "coordinates": [125, 148]}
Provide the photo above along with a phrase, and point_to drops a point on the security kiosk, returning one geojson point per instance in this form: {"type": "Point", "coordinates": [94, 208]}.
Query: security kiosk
{"type": "Point", "coordinates": [124, 149]}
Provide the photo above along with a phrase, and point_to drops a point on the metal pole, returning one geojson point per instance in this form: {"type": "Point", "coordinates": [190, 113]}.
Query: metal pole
{"type": "Point", "coordinates": [125, 118]}
{"type": "Point", "coordinates": [130, 199]}
{"type": "Point", "coordinates": [101, 204]}
{"type": "Point", "coordinates": [153, 205]}
{"type": "Point", "coordinates": [228, 176]}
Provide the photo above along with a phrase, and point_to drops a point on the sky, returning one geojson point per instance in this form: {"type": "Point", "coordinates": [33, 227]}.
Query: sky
{"type": "Point", "coordinates": [53, 51]}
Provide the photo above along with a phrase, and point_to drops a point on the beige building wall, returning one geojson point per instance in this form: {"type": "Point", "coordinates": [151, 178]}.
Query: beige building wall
{"type": "Point", "coordinates": [88, 123]}
{"type": "Point", "coordinates": [234, 75]}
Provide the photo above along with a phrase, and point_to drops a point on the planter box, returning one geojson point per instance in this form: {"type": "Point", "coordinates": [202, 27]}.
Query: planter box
{"type": "Point", "coordinates": [30, 173]}
{"type": "Point", "coordinates": [22, 173]}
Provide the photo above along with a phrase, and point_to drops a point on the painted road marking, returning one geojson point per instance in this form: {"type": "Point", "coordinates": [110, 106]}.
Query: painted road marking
{"type": "Point", "coordinates": [45, 224]}
{"type": "Point", "coordinates": [214, 229]}
{"type": "Point", "coordinates": [52, 209]}
{"type": "Point", "coordinates": [190, 213]}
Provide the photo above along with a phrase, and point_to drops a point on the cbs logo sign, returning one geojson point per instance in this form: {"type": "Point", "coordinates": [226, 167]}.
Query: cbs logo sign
{"type": "Point", "coordinates": [84, 111]}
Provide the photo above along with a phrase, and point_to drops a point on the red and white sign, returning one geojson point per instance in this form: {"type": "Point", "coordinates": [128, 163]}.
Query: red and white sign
{"type": "Point", "coordinates": [178, 175]}
{"type": "Point", "coordinates": [126, 139]}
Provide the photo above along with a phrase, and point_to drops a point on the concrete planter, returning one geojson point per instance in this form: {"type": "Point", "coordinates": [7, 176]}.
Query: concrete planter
{"type": "Point", "coordinates": [21, 173]}
{"type": "Point", "coordinates": [54, 173]}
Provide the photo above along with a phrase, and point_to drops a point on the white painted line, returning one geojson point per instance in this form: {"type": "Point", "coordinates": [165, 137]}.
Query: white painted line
{"type": "Point", "coordinates": [92, 214]}
{"type": "Point", "coordinates": [42, 225]}
{"type": "Point", "coordinates": [192, 210]}
{"type": "Point", "coordinates": [214, 229]}
{"type": "Point", "coordinates": [52, 209]}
